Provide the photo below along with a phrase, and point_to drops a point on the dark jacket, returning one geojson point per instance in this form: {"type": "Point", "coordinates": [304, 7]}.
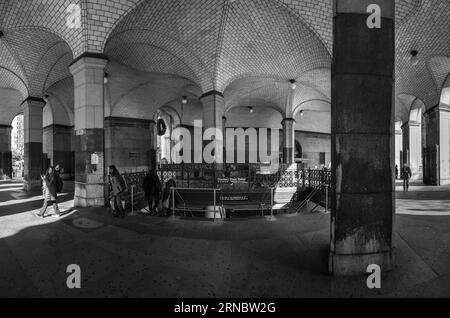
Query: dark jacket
{"type": "Point", "coordinates": [58, 181]}
{"type": "Point", "coordinates": [117, 184]}
{"type": "Point", "coordinates": [406, 173]}
{"type": "Point", "coordinates": [51, 182]}
{"type": "Point", "coordinates": [152, 187]}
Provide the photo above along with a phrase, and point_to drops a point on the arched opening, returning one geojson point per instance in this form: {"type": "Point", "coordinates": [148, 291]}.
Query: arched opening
{"type": "Point", "coordinates": [17, 147]}
{"type": "Point", "coordinates": [167, 119]}
{"type": "Point", "coordinates": [417, 138]}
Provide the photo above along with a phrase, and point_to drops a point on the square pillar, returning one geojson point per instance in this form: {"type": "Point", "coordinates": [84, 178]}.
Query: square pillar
{"type": "Point", "coordinates": [5, 152]}
{"type": "Point", "coordinates": [127, 143]}
{"type": "Point", "coordinates": [362, 134]}
{"type": "Point", "coordinates": [398, 147]}
{"type": "Point", "coordinates": [437, 148]}
{"type": "Point", "coordinates": [57, 145]}
{"type": "Point", "coordinates": [288, 140]}
{"type": "Point", "coordinates": [33, 156]}
{"type": "Point", "coordinates": [412, 146]}
{"type": "Point", "coordinates": [88, 72]}
{"type": "Point", "coordinates": [213, 112]}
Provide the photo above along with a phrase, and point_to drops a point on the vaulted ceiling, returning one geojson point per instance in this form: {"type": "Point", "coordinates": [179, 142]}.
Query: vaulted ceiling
{"type": "Point", "coordinates": [246, 49]}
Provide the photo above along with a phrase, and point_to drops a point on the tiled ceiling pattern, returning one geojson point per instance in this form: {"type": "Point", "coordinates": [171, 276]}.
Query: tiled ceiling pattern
{"type": "Point", "coordinates": [63, 91]}
{"type": "Point", "coordinates": [253, 91]}
{"type": "Point", "coordinates": [428, 32]}
{"type": "Point", "coordinates": [186, 28]}
{"type": "Point", "coordinates": [154, 52]}
{"type": "Point", "coordinates": [11, 80]}
{"type": "Point", "coordinates": [39, 57]}
{"type": "Point", "coordinates": [47, 15]}
{"type": "Point", "coordinates": [9, 104]}
{"type": "Point", "coordinates": [440, 68]}
{"type": "Point", "coordinates": [262, 37]}
{"type": "Point", "coordinates": [211, 42]}
{"type": "Point", "coordinates": [215, 42]}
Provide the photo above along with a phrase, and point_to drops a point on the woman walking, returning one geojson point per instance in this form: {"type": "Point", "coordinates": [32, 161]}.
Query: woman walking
{"type": "Point", "coordinates": [50, 188]}
{"type": "Point", "coordinates": [117, 186]}
{"type": "Point", "coordinates": [152, 188]}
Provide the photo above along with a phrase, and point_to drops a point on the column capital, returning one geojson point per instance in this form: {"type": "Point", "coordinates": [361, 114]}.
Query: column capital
{"type": "Point", "coordinates": [33, 101]}
{"type": "Point", "coordinates": [287, 120]}
{"type": "Point", "coordinates": [88, 60]}
{"type": "Point", "coordinates": [213, 92]}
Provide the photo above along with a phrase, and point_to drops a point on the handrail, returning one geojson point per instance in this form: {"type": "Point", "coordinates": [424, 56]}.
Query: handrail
{"type": "Point", "coordinates": [184, 202]}
{"type": "Point", "coordinates": [308, 198]}
{"type": "Point", "coordinates": [173, 190]}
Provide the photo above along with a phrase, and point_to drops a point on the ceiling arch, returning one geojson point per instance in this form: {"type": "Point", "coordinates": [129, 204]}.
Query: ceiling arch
{"type": "Point", "coordinates": [214, 42]}
{"type": "Point", "coordinates": [40, 57]}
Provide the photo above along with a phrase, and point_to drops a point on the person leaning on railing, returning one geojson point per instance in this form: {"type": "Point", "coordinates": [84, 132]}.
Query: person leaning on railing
{"type": "Point", "coordinates": [152, 189]}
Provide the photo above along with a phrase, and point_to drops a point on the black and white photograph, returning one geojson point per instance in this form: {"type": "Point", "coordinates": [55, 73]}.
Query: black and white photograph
{"type": "Point", "coordinates": [224, 154]}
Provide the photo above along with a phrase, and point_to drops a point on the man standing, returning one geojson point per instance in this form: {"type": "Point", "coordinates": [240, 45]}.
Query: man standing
{"type": "Point", "coordinates": [406, 175]}
{"type": "Point", "coordinates": [58, 185]}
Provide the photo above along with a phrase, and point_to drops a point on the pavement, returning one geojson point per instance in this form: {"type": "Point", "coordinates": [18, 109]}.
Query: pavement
{"type": "Point", "coordinates": [143, 256]}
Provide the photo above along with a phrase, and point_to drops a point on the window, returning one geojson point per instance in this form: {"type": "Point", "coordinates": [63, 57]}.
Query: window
{"type": "Point", "coordinates": [321, 158]}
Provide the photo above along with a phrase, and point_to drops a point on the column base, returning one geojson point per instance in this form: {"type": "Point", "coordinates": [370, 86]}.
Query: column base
{"type": "Point", "coordinates": [356, 264]}
{"type": "Point", "coordinates": [89, 195]}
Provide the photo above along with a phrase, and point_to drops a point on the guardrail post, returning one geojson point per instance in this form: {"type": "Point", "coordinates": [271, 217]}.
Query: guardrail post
{"type": "Point", "coordinates": [132, 198]}
{"type": "Point", "coordinates": [214, 205]}
{"type": "Point", "coordinates": [173, 201]}
{"type": "Point", "coordinates": [271, 202]}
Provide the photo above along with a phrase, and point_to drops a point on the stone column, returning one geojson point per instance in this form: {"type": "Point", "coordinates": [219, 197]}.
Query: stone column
{"type": "Point", "coordinates": [33, 157]}
{"type": "Point", "coordinates": [437, 151]}
{"type": "Point", "coordinates": [5, 152]}
{"type": "Point", "coordinates": [88, 73]}
{"type": "Point", "coordinates": [412, 145]}
{"type": "Point", "coordinates": [57, 144]}
{"type": "Point", "coordinates": [213, 111]}
{"type": "Point", "coordinates": [288, 140]}
{"type": "Point", "coordinates": [362, 139]}
{"type": "Point", "coordinates": [398, 146]}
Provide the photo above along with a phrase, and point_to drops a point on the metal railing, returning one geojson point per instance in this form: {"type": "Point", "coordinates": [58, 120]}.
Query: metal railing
{"type": "Point", "coordinates": [215, 203]}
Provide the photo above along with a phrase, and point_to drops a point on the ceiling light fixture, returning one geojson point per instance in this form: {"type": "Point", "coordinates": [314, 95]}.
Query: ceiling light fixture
{"type": "Point", "coordinates": [301, 113]}
{"type": "Point", "coordinates": [184, 100]}
{"type": "Point", "coordinates": [251, 109]}
{"type": "Point", "coordinates": [414, 59]}
{"type": "Point", "coordinates": [293, 84]}
{"type": "Point", "coordinates": [105, 78]}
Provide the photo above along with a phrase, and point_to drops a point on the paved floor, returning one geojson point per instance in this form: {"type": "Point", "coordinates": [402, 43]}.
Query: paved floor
{"type": "Point", "coordinates": [142, 256]}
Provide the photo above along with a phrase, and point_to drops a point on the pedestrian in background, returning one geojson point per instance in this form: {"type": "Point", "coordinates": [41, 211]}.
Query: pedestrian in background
{"type": "Point", "coordinates": [117, 186]}
{"type": "Point", "coordinates": [406, 175]}
{"type": "Point", "coordinates": [152, 189]}
{"type": "Point", "coordinates": [49, 191]}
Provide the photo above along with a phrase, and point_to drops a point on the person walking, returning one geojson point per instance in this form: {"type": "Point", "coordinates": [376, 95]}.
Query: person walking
{"type": "Point", "coordinates": [152, 189]}
{"type": "Point", "coordinates": [117, 186]}
{"type": "Point", "coordinates": [49, 191]}
{"type": "Point", "coordinates": [396, 172]}
{"type": "Point", "coordinates": [406, 175]}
